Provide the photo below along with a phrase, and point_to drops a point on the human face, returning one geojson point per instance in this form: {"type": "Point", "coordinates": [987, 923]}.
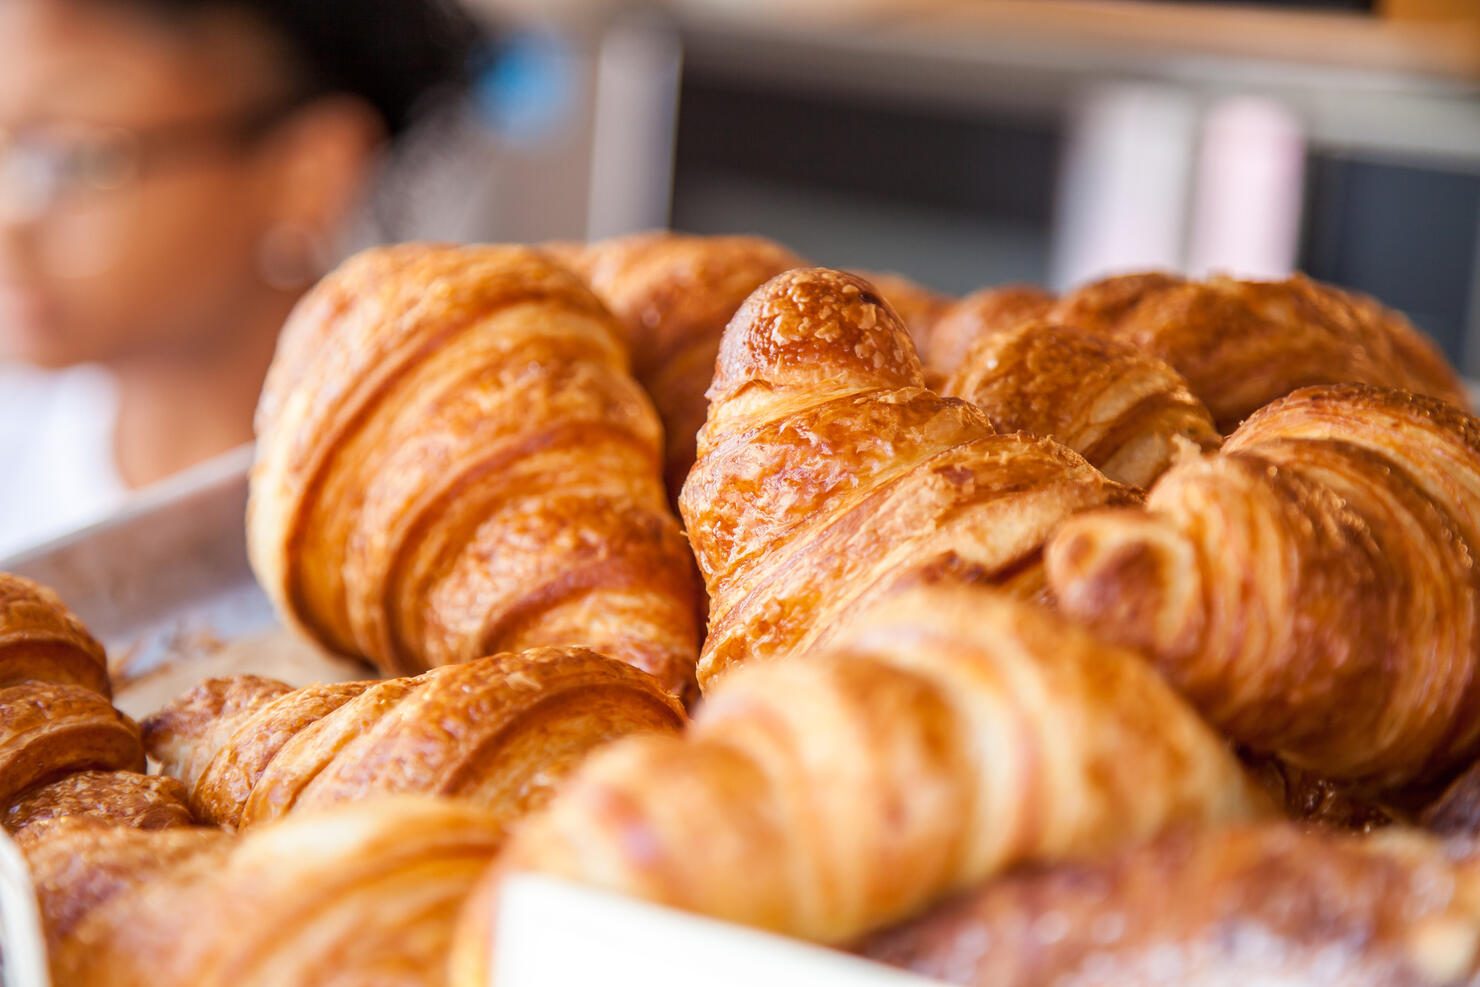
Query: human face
{"type": "Point", "coordinates": [142, 254]}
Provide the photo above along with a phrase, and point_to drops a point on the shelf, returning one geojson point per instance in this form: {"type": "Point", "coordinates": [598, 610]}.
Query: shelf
{"type": "Point", "coordinates": [1384, 86]}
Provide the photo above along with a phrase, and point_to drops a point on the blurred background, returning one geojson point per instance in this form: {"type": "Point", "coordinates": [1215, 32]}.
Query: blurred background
{"type": "Point", "coordinates": [960, 142]}
{"type": "Point", "coordinates": [971, 142]}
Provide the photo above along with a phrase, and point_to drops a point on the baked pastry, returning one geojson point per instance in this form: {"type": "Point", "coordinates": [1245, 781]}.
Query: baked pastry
{"type": "Point", "coordinates": [42, 641]}
{"type": "Point", "coordinates": [113, 798]}
{"type": "Point", "coordinates": [1118, 406]}
{"type": "Point", "coordinates": [979, 315]}
{"type": "Point", "coordinates": [355, 895]}
{"type": "Point", "coordinates": [453, 461]}
{"type": "Point", "coordinates": [953, 733]}
{"type": "Point", "coordinates": [48, 731]}
{"type": "Point", "coordinates": [674, 293]}
{"type": "Point", "coordinates": [66, 752]}
{"type": "Point", "coordinates": [1242, 344]}
{"type": "Point", "coordinates": [78, 863]}
{"type": "Point", "coordinates": [500, 731]}
{"type": "Point", "coordinates": [1312, 589]}
{"type": "Point", "coordinates": [1252, 904]}
{"type": "Point", "coordinates": [828, 474]}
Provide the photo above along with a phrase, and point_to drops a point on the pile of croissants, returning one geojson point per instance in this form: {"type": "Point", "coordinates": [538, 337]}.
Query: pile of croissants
{"type": "Point", "coordinates": [1125, 637]}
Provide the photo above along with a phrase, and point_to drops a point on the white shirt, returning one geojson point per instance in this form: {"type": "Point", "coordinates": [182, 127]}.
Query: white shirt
{"type": "Point", "coordinates": [57, 471]}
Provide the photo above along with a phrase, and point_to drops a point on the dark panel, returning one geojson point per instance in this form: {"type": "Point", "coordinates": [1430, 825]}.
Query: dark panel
{"type": "Point", "coordinates": [1366, 6]}
{"type": "Point", "coordinates": [1002, 170]}
{"type": "Point", "coordinates": [1404, 233]}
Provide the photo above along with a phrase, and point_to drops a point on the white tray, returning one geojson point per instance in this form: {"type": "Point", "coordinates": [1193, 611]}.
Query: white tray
{"type": "Point", "coordinates": [552, 934]}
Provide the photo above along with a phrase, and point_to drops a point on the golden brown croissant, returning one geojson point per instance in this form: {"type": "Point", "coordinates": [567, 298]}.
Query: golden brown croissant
{"type": "Point", "coordinates": [347, 897]}
{"type": "Point", "coordinates": [1119, 407]}
{"type": "Point", "coordinates": [115, 798]}
{"type": "Point", "coordinates": [979, 315]}
{"type": "Point", "coordinates": [1312, 589]}
{"type": "Point", "coordinates": [1253, 904]}
{"type": "Point", "coordinates": [954, 732]}
{"type": "Point", "coordinates": [64, 750]}
{"type": "Point", "coordinates": [500, 731]}
{"type": "Point", "coordinates": [674, 293]}
{"type": "Point", "coordinates": [827, 474]}
{"type": "Point", "coordinates": [41, 640]}
{"type": "Point", "coordinates": [78, 863]}
{"type": "Point", "coordinates": [453, 461]}
{"type": "Point", "coordinates": [48, 731]}
{"type": "Point", "coordinates": [1242, 344]}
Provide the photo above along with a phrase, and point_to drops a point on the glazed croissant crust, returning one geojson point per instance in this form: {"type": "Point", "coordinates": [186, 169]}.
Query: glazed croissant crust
{"type": "Point", "coordinates": [1312, 589]}
{"type": "Point", "coordinates": [1122, 409]}
{"type": "Point", "coordinates": [453, 461]}
{"type": "Point", "coordinates": [954, 732]}
{"type": "Point", "coordinates": [114, 798]}
{"type": "Point", "coordinates": [1240, 344]}
{"type": "Point", "coordinates": [65, 752]}
{"type": "Point", "coordinates": [1251, 904]}
{"type": "Point", "coordinates": [355, 895]}
{"type": "Point", "coordinates": [42, 641]}
{"type": "Point", "coordinates": [828, 474]}
{"type": "Point", "coordinates": [500, 731]}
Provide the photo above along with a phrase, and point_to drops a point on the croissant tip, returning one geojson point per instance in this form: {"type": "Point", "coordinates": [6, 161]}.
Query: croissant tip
{"type": "Point", "coordinates": [1094, 557]}
{"type": "Point", "coordinates": [815, 326]}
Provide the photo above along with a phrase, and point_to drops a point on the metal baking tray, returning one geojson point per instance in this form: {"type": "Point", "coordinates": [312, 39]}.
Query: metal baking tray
{"type": "Point", "coordinates": [171, 565]}
{"type": "Point", "coordinates": [165, 585]}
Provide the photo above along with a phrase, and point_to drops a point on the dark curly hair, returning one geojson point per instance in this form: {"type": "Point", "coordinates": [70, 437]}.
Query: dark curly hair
{"type": "Point", "coordinates": [401, 56]}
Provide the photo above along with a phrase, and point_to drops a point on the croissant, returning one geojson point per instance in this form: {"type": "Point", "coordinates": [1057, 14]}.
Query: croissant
{"type": "Point", "coordinates": [1313, 589]}
{"type": "Point", "coordinates": [1242, 344]}
{"type": "Point", "coordinates": [1252, 904]}
{"type": "Point", "coordinates": [954, 732]}
{"type": "Point", "coordinates": [64, 750]}
{"type": "Point", "coordinates": [79, 863]}
{"type": "Point", "coordinates": [674, 293]}
{"type": "Point", "coordinates": [453, 461]}
{"type": "Point", "coordinates": [827, 474]}
{"type": "Point", "coordinates": [355, 895]}
{"type": "Point", "coordinates": [115, 798]}
{"type": "Point", "coordinates": [41, 640]}
{"type": "Point", "coordinates": [500, 731]}
{"type": "Point", "coordinates": [979, 315]}
{"type": "Point", "coordinates": [1122, 409]}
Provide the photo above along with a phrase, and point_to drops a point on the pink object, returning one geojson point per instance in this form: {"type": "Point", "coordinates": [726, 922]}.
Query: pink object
{"type": "Point", "coordinates": [1250, 175]}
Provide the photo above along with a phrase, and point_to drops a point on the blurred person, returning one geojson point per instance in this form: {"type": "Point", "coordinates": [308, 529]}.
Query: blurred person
{"type": "Point", "coordinates": [173, 175]}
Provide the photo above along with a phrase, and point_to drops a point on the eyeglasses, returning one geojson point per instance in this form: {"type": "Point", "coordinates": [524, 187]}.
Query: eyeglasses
{"type": "Point", "coordinates": [43, 168]}
{"type": "Point", "coordinates": [74, 189]}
